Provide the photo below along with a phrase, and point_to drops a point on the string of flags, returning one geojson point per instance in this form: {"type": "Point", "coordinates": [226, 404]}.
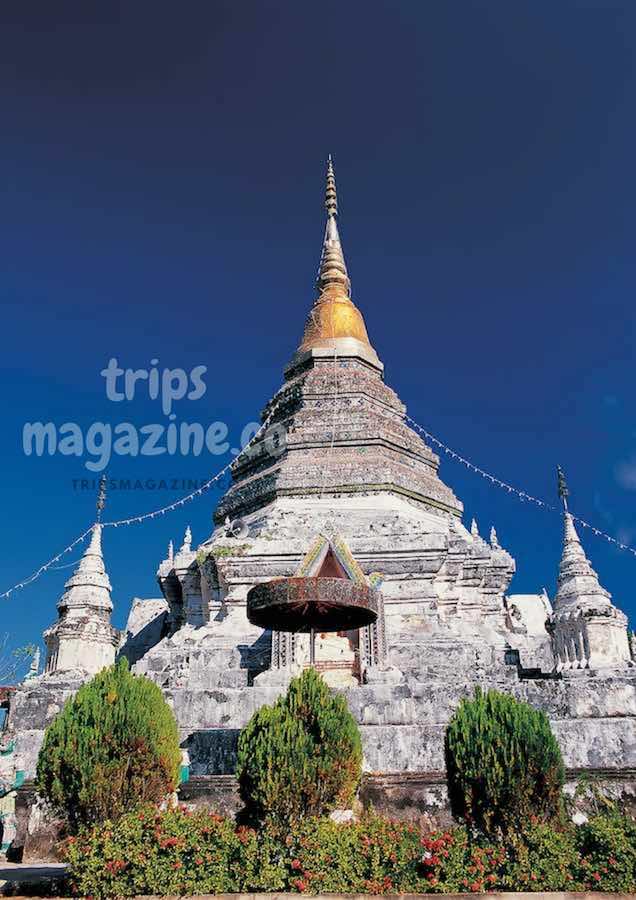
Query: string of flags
{"type": "Point", "coordinates": [200, 490]}
{"type": "Point", "coordinates": [47, 565]}
{"type": "Point", "coordinates": [524, 496]}
{"type": "Point", "coordinates": [332, 440]}
{"type": "Point", "coordinates": [134, 520]}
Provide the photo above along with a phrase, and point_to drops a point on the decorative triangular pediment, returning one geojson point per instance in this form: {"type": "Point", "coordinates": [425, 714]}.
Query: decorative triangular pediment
{"type": "Point", "coordinates": [331, 557]}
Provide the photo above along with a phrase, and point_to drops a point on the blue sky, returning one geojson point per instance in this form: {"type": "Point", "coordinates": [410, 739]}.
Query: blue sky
{"type": "Point", "coordinates": [162, 174]}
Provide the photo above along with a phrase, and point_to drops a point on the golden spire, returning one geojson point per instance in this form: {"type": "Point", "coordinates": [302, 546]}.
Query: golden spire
{"type": "Point", "coordinates": [331, 195]}
{"type": "Point", "coordinates": [332, 268]}
{"type": "Point", "coordinates": [335, 323]}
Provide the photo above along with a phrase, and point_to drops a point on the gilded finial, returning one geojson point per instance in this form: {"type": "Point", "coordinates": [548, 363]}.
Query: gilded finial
{"type": "Point", "coordinates": [332, 271]}
{"type": "Point", "coordinates": [334, 322]}
{"type": "Point", "coordinates": [563, 489]}
{"type": "Point", "coordinates": [331, 197]}
{"type": "Point", "coordinates": [101, 496]}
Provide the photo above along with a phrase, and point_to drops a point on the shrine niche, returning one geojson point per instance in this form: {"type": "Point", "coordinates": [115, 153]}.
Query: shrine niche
{"type": "Point", "coordinates": [321, 612]}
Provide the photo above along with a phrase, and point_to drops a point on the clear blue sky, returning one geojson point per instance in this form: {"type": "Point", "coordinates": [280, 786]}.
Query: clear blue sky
{"type": "Point", "coordinates": [162, 172]}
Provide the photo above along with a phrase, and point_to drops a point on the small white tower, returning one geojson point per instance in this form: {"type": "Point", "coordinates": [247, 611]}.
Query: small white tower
{"type": "Point", "coordinates": [588, 631]}
{"type": "Point", "coordinates": [83, 639]}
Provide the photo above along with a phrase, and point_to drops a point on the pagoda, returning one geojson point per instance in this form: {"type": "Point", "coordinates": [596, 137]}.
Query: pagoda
{"type": "Point", "coordinates": [339, 486]}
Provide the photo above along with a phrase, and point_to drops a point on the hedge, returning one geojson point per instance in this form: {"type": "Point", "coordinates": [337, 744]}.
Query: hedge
{"type": "Point", "coordinates": [180, 852]}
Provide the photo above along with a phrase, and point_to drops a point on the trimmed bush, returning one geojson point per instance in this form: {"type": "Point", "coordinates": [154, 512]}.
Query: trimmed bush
{"type": "Point", "coordinates": [302, 756]}
{"type": "Point", "coordinates": [503, 764]}
{"type": "Point", "coordinates": [115, 744]}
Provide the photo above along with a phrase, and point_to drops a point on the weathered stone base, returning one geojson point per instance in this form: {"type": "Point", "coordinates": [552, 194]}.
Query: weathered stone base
{"type": "Point", "coordinates": [423, 797]}
{"type": "Point", "coordinates": [38, 832]}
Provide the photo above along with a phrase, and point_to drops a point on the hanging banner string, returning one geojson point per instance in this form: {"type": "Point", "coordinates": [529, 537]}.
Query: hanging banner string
{"type": "Point", "coordinates": [522, 495]}
{"type": "Point", "coordinates": [133, 520]}
{"type": "Point", "coordinates": [494, 480]}
{"type": "Point", "coordinates": [142, 518]}
{"type": "Point", "coordinates": [47, 565]}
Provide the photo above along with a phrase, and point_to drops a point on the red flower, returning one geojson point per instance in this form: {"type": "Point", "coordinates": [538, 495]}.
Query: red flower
{"type": "Point", "coordinates": [169, 842]}
{"type": "Point", "coordinates": [300, 885]}
{"type": "Point", "coordinates": [596, 876]}
{"type": "Point", "coordinates": [611, 861]}
{"type": "Point", "coordinates": [476, 886]}
{"type": "Point", "coordinates": [177, 865]}
{"type": "Point", "coordinates": [533, 876]}
{"type": "Point", "coordinates": [296, 864]}
{"type": "Point", "coordinates": [115, 866]}
{"type": "Point", "coordinates": [198, 861]}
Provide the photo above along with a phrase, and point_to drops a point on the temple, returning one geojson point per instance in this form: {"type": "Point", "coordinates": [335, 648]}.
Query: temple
{"type": "Point", "coordinates": [338, 485]}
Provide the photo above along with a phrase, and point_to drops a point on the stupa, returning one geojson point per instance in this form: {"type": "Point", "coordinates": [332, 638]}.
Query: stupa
{"type": "Point", "coordinates": [338, 486]}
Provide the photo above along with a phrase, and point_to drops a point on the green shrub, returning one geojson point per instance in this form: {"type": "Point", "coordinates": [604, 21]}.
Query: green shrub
{"type": "Point", "coordinates": [151, 852]}
{"type": "Point", "coordinates": [503, 764]}
{"type": "Point", "coordinates": [300, 757]}
{"type": "Point", "coordinates": [374, 856]}
{"type": "Point", "coordinates": [181, 853]}
{"type": "Point", "coordinates": [542, 858]}
{"type": "Point", "coordinates": [607, 854]}
{"type": "Point", "coordinates": [114, 744]}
